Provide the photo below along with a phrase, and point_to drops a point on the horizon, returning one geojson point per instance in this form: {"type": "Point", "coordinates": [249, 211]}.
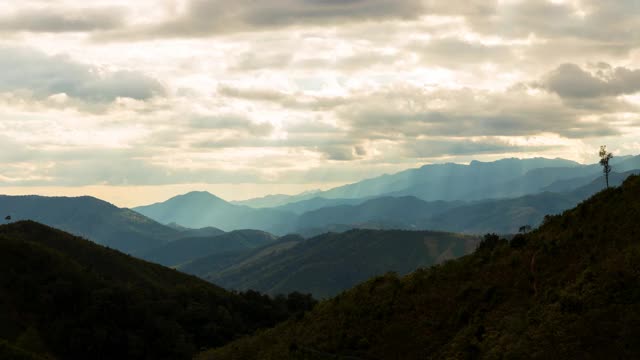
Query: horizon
{"type": "Point", "coordinates": [119, 195]}
{"type": "Point", "coordinates": [134, 102]}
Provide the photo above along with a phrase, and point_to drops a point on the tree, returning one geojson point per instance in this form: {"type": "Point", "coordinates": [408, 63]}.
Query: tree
{"type": "Point", "coordinates": [604, 161]}
{"type": "Point", "coordinates": [8, 218]}
{"type": "Point", "coordinates": [524, 229]}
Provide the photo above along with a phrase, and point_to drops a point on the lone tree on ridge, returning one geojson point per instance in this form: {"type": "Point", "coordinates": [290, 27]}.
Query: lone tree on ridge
{"type": "Point", "coordinates": [604, 161]}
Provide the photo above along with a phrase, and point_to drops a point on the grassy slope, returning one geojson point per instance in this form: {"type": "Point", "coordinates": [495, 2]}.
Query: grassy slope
{"type": "Point", "coordinates": [570, 289]}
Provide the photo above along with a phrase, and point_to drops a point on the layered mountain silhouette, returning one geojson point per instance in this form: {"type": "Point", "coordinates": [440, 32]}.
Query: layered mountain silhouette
{"type": "Point", "coordinates": [201, 209]}
{"type": "Point", "coordinates": [567, 290]}
{"type": "Point", "coordinates": [64, 297]}
{"type": "Point", "coordinates": [509, 193]}
{"type": "Point", "coordinates": [328, 264]}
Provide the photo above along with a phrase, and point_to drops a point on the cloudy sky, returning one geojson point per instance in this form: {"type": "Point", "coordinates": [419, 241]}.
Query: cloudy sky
{"type": "Point", "coordinates": [135, 102]}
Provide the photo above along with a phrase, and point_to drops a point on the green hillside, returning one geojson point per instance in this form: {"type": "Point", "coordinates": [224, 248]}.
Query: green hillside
{"type": "Point", "coordinates": [328, 264]}
{"type": "Point", "coordinates": [67, 298]}
{"type": "Point", "coordinates": [183, 250]}
{"type": "Point", "coordinates": [569, 290]}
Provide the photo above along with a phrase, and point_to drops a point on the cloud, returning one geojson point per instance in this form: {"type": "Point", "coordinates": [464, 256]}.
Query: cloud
{"type": "Point", "coordinates": [231, 122]}
{"type": "Point", "coordinates": [433, 148]}
{"type": "Point", "coordinates": [453, 52]}
{"type": "Point", "coordinates": [292, 101]}
{"type": "Point", "coordinates": [56, 20]}
{"type": "Point", "coordinates": [32, 73]}
{"type": "Point", "coordinates": [571, 81]}
{"type": "Point", "coordinates": [409, 112]}
{"type": "Point", "coordinates": [211, 17]}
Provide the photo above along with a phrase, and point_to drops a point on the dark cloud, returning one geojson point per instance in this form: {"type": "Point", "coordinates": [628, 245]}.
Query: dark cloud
{"type": "Point", "coordinates": [571, 81]}
{"type": "Point", "coordinates": [400, 113]}
{"type": "Point", "coordinates": [432, 148]}
{"type": "Point", "coordinates": [63, 20]}
{"type": "Point", "coordinates": [36, 74]}
{"type": "Point", "coordinates": [210, 17]}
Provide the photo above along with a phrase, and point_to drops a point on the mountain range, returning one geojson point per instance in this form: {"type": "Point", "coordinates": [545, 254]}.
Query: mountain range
{"type": "Point", "coordinates": [446, 197]}
{"type": "Point", "coordinates": [567, 290]}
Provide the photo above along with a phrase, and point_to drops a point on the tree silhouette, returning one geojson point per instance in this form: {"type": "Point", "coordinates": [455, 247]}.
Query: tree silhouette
{"type": "Point", "coordinates": [524, 229]}
{"type": "Point", "coordinates": [604, 161]}
{"type": "Point", "coordinates": [8, 218]}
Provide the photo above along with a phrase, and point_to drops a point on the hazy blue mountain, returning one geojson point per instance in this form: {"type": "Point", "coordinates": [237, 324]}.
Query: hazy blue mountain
{"type": "Point", "coordinates": [476, 217]}
{"type": "Point", "coordinates": [92, 218]}
{"type": "Point", "coordinates": [180, 251]}
{"type": "Point", "coordinates": [276, 200]}
{"type": "Point", "coordinates": [551, 179]}
{"type": "Point", "coordinates": [202, 209]}
{"type": "Point", "coordinates": [568, 290]}
{"type": "Point", "coordinates": [403, 212]}
{"type": "Point", "coordinates": [330, 263]}
{"type": "Point", "coordinates": [185, 232]}
{"type": "Point", "coordinates": [300, 207]}
{"type": "Point", "coordinates": [507, 215]}
{"type": "Point", "coordinates": [445, 181]}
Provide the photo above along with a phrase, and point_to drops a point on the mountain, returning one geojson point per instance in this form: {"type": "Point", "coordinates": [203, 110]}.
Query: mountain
{"type": "Point", "coordinates": [211, 264]}
{"type": "Point", "coordinates": [504, 216]}
{"type": "Point", "coordinates": [276, 200]}
{"type": "Point", "coordinates": [179, 251]}
{"type": "Point", "coordinates": [91, 218]}
{"type": "Point", "coordinates": [330, 263]}
{"type": "Point", "coordinates": [568, 290]}
{"type": "Point", "coordinates": [202, 209]}
{"type": "Point", "coordinates": [445, 181]}
{"type": "Point", "coordinates": [68, 298]}
{"type": "Point", "coordinates": [201, 232]}
{"type": "Point", "coordinates": [403, 212]}
{"type": "Point", "coordinates": [303, 206]}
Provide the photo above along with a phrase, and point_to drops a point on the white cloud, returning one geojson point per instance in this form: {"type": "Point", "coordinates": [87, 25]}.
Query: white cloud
{"type": "Point", "coordinates": [306, 91]}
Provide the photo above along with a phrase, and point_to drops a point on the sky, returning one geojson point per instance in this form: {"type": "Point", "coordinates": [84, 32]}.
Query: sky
{"type": "Point", "coordinates": [135, 102]}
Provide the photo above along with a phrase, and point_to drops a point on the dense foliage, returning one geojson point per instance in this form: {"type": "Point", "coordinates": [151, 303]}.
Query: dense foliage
{"type": "Point", "coordinates": [184, 250]}
{"type": "Point", "coordinates": [65, 297]}
{"type": "Point", "coordinates": [570, 289]}
{"type": "Point", "coordinates": [328, 264]}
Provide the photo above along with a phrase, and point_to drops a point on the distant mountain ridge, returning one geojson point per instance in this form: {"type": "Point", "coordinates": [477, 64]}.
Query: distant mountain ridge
{"type": "Point", "coordinates": [200, 209]}
{"type": "Point", "coordinates": [92, 218]}
{"type": "Point", "coordinates": [568, 290]}
{"type": "Point", "coordinates": [425, 193]}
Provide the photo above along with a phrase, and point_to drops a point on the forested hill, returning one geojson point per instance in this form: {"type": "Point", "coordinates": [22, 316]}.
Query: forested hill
{"type": "Point", "coordinates": [64, 297]}
{"type": "Point", "coordinates": [568, 290]}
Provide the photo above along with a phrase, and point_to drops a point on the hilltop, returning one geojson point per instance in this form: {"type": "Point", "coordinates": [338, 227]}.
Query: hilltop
{"type": "Point", "coordinates": [92, 218]}
{"type": "Point", "coordinates": [65, 297]}
{"type": "Point", "coordinates": [569, 289]}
